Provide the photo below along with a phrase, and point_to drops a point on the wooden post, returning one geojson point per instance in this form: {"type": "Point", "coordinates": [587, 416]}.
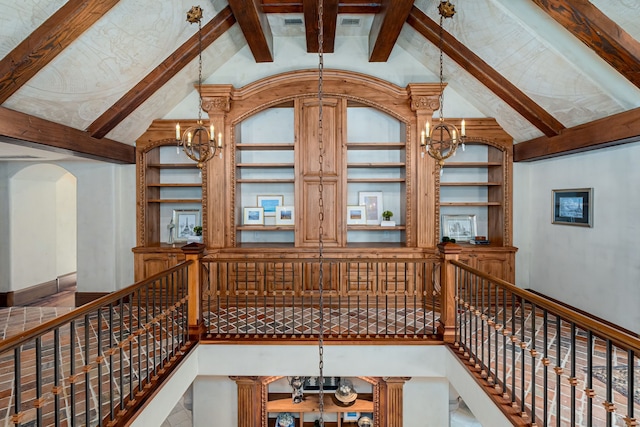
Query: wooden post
{"type": "Point", "coordinates": [447, 327]}
{"type": "Point", "coordinates": [194, 252]}
{"type": "Point", "coordinates": [249, 411]}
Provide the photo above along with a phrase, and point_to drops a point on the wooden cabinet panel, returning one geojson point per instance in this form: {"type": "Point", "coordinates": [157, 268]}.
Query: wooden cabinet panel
{"type": "Point", "coordinates": [332, 113]}
{"type": "Point", "coordinates": [309, 222]}
{"type": "Point", "coordinates": [148, 264]}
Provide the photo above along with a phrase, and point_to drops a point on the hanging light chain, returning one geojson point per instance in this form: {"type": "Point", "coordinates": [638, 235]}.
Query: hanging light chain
{"type": "Point", "coordinates": [321, 211]}
{"type": "Point", "coordinates": [200, 72]}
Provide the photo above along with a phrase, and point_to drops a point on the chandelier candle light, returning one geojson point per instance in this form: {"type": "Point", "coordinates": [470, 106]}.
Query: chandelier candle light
{"type": "Point", "coordinates": [441, 141]}
{"type": "Point", "coordinates": [198, 142]}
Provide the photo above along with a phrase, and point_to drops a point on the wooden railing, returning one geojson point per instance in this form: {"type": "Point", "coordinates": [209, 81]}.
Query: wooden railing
{"type": "Point", "coordinates": [544, 364]}
{"type": "Point", "coordinates": [97, 364]}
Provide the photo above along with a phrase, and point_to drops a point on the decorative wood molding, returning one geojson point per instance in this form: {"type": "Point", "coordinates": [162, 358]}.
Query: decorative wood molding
{"type": "Point", "coordinates": [489, 77]}
{"type": "Point", "coordinates": [47, 41]}
{"type": "Point", "coordinates": [386, 28]}
{"type": "Point", "coordinates": [618, 129]}
{"type": "Point", "coordinates": [83, 298]}
{"type": "Point", "coordinates": [23, 129]}
{"type": "Point", "coordinates": [164, 72]}
{"type": "Point", "coordinates": [31, 294]}
{"type": "Point", "coordinates": [592, 27]}
{"type": "Point", "coordinates": [255, 27]}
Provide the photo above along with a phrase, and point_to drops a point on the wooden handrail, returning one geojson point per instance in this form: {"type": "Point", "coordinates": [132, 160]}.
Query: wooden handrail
{"type": "Point", "coordinates": [17, 340]}
{"type": "Point", "coordinates": [604, 331]}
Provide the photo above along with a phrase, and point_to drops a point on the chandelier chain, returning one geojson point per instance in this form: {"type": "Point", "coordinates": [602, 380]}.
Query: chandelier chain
{"type": "Point", "coordinates": [200, 72]}
{"type": "Point", "coordinates": [441, 96]}
{"type": "Point", "coordinates": [321, 211]}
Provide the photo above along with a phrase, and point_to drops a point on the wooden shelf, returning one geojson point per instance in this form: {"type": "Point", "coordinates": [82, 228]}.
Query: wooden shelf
{"type": "Point", "coordinates": [375, 145]}
{"type": "Point", "coordinates": [470, 164]}
{"type": "Point", "coordinates": [173, 165]}
{"type": "Point", "coordinates": [469, 184]}
{"type": "Point", "coordinates": [375, 180]}
{"type": "Point", "coordinates": [374, 227]}
{"type": "Point", "coordinates": [264, 165]}
{"type": "Point", "coordinates": [181, 185]}
{"type": "Point", "coordinates": [265, 181]}
{"type": "Point", "coordinates": [470, 204]}
{"type": "Point", "coordinates": [264, 227]}
{"type": "Point", "coordinates": [364, 403]}
{"type": "Point", "coordinates": [376, 165]}
{"type": "Point", "coordinates": [265, 147]}
{"type": "Point", "coordinates": [174, 200]}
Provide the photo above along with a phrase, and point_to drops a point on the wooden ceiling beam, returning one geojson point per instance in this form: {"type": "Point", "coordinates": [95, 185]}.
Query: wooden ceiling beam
{"type": "Point", "coordinates": [489, 77]}
{"type": "Point", "coordinates": [599, 33]}
{"type": "Point", "coordinates": [296, 6]}
{"type": "Point", "coordinates": [47, 41]}
{"type": "Point", "coordinates": [33, 131]}
{"type": "Point", "coordinates": [161, 74]}
{"type": "Point", "coordinates": [329, 20]}
{"type": "Point", "coordinates": [618, 129]}
{"type": "Point", "coordinates": [386, 28]}
{"type": "Point", "coordinates": [255, 27]}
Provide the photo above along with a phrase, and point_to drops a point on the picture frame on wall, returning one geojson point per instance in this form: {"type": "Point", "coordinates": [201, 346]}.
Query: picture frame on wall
{"type": "Point", "coordinates": [285, 215]}
{"type": "Point", "coordinates": [253, 216]}
{"type": "Point", "coordinates": [372, 202]}
{"type": "Point", "coordinates": [573, 207]}
{"type": "Point", "coordinates": [462, 228]}
{"type": "Point", "coordinates": [184, 221]}
{"type": "Point", "coordinates": [269, 203]}
{"type": "Point", "coordinates": [356, 215]}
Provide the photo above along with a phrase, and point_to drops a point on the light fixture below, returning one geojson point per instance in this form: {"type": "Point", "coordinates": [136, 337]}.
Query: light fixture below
{"type": "Point", "coordinates": [441, 140]}
{"type": "Point", "coordinates": [198, 142]}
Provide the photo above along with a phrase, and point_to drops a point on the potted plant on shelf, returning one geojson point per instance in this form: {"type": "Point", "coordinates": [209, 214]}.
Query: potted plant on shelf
{"type": "Point", "coordinates": [386, 219]}
{"type": "Point", "coordinates": [197, 237]}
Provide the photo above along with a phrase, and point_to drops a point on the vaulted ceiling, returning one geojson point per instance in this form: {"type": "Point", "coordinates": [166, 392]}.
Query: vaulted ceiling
{"type": "Point", "coordinates": [88, 77]}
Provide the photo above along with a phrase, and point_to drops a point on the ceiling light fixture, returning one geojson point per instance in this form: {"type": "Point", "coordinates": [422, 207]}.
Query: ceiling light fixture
{"type": "Point", "coordinates": [198, 142]}
{"type": "Point", "coordinates": [441, 140]}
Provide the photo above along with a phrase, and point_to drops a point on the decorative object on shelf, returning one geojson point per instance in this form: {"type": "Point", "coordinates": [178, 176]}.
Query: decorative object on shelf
{"type": "Point", "coordinates": [197, 234]}
{"type": "Point", "coordinates": [253, 216]}
{"type": "Point", "coordinates": [198, 142]}
{"type": "Point", "coordinates": [345, 394]}
{"type": "Point", "coordinates": [185, 220]}
{"type": "Point", "coordinates": [441, 140]}
{"type": "Point", "coordinates": [356, 215]}
{"type": "Point", "coordinates": [372, 202]}
{"type": "Point", "coordinates": [285, 419]}
{"type": "Point", "coordinates": [171, 226]}
{"type": "Point", "coordinates": [313, 383]}
{"type": "Point", "coordinates": [447, 239]}
{"type": "Point", "coordinates": [573, 207]}
{"type": "Point", "coordinates": [297, 390]}
{"type": "Point", "coordinates": [386, 219]}
{"type": "Point", "coordinates": [365, 421]}
{"type": "Point", "coordinates": [285, 215]}
{"type": "Point", "coordinates": [462, 228]}
{"type": "Point", "coordinates": [350, 416]}
{"type": "Point", "coordinates": [269, 203]}
{"type": "Point", "coordinates": [479, 240]}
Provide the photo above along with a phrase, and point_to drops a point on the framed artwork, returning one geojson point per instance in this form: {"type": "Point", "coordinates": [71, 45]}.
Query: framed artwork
{"type": "Point", "coordinates": [269, 203]}
{"type": "Point", "coordinates": [372, 202]}
{"type": "Point", "coordinates": [573, 207]}
{"type": "Point", "coordinates": [184, 221]}
{"type": "Point", "coordinates": [356, 215]}
{"type": "Point", "coordinates": [459, 227]}
{"type": "Point", "coordinates": [284, 215]}
{"type": "Point", "coordinates": [253, 216]}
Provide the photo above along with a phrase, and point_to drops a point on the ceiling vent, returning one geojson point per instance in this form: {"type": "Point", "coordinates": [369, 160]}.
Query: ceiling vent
{"type": "Point", "coordinates": [292, 21]}
{"type": "Point", "coordinates": [350, 22]}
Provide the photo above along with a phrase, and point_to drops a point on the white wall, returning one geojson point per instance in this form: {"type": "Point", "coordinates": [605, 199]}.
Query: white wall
{"type": "Point", "coordinates": [5, 226]}
{"type": "Point", "coordinates": [426, 394]}
{"type": "Point", "coordinates": [595, 269]}
{"type": "Point", "coordinates": [66, 233]}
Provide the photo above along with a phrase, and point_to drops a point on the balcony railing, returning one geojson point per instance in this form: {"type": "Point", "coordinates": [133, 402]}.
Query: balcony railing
{"type": "Point", "coordinates": [98, 363]}
{"type": "Point", "coordinates": [552, 366]}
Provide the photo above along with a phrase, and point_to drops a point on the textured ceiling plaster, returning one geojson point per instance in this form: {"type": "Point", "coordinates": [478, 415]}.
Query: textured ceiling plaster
{"type": "Point", "coordinates": [625, 13]}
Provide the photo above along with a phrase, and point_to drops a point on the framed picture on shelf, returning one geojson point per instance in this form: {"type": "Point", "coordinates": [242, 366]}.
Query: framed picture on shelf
{"type": "Point", "coordinates": [356, 215]}
{"type": "Point", "coordinates": [459, 227]}
{"type": "Point", "coordinates": [269, 203]}
{"type": "Point", "coordinates": [184, 221]}
{"type": "Point", "coordinates": [284, 215]}
{"type": "Point", "coordinates": [372, 202]}
{"type": "Point", "coordinates": [573, 207]}
{"type": "Point", "coordinates": [253, 216]}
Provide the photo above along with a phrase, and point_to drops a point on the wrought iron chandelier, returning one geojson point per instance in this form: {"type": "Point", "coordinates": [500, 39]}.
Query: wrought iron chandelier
{"type": "Point", "coordinates": [198, 142]}
{"type": "Point", "coordinates": [441, 140]}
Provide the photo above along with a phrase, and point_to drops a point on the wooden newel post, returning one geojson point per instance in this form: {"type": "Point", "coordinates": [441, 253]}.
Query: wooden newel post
{"type": "Point", "coordinates": [194, 251]}
{"type": "Point", "coordinates": [447, 327]}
